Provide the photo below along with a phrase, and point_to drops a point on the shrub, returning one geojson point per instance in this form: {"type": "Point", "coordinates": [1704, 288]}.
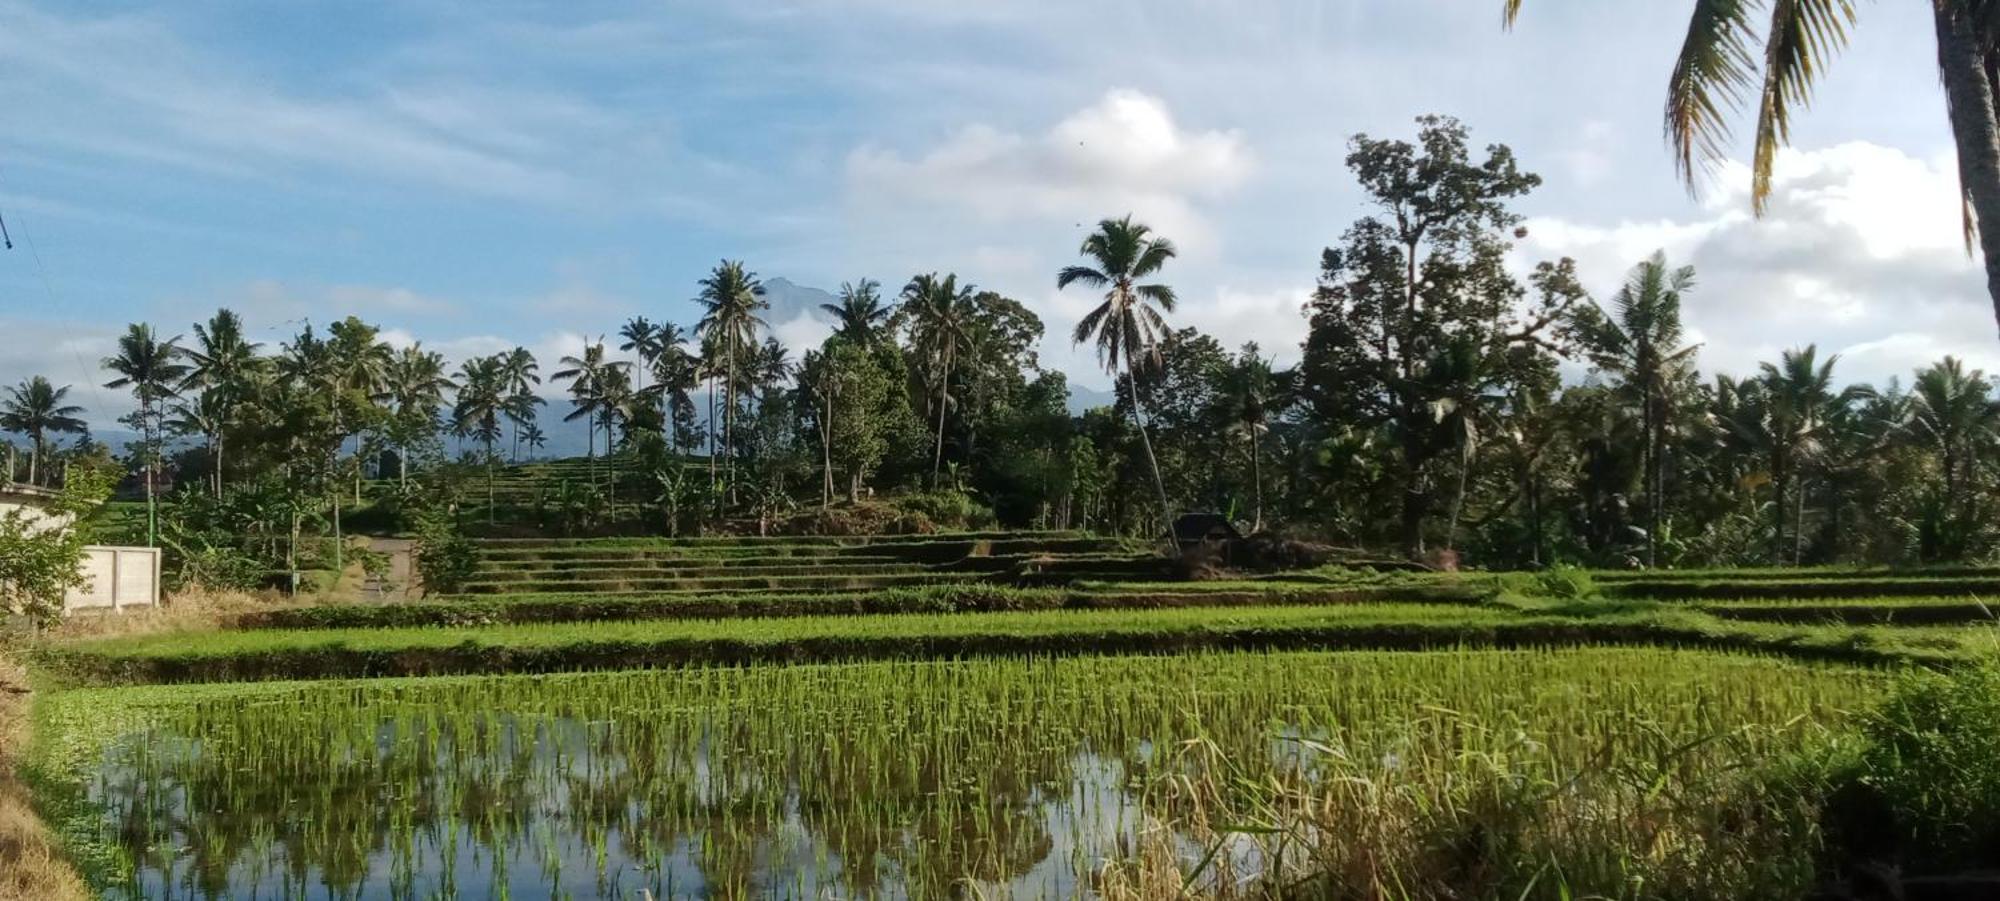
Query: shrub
{"type": "Point", "coordinates": [1565, 582]}
{"type": "Point", "coordinates": [444, 558]}
{"type": "Point", "coordinates": [947, 508]}
{"type": "Point", "coordinates": [1923, 793]}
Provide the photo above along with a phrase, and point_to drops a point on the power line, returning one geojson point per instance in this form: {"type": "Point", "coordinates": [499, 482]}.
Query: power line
{"type": "Point", "coordinates": [55, 305]}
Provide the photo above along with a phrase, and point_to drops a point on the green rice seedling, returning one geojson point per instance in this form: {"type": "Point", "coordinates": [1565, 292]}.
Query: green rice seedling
{"type": "Point", "coordinates": [1019, 777]}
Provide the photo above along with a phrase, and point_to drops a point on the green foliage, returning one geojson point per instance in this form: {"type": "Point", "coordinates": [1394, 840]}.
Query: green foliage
{"type": "Point", "coordinates": [444, 558]}
{"type": "Point", "coordinates": [1923, 791]}
{"type": "Point", "coordinates": [946, 508]}
{"type": "Point", "coordinates": [41, 557]}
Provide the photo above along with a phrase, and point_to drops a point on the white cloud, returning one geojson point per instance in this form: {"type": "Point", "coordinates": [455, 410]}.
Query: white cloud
{"type": "Point", "coordinates": [1124, 154]}
{"type": "Point", "coordinates": [1859, 252]}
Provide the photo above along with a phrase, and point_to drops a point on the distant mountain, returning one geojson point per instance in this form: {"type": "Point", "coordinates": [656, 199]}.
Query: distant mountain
{"type": "Point", "coordinates": [1083, 398]}
{"type": "Point", "coordinates": [790, 300]}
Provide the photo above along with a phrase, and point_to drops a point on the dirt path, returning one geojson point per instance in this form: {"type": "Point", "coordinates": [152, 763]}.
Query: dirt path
{"type": "Point", "coordinates": [30, 867]}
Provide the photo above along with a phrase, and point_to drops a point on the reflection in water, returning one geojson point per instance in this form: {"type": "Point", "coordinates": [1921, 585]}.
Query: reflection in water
{"type": "Point", "coordinates": [1015, 777]}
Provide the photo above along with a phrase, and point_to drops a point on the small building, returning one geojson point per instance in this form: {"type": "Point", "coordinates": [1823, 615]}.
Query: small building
{"type": "Point", "coordinates": [115, 577]}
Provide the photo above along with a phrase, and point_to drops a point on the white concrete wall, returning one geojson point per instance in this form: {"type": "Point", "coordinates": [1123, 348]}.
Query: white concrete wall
{"type": "Point", "coordinates": [119, 577]}
{"type": "Point", "coordinates": [37, 514]}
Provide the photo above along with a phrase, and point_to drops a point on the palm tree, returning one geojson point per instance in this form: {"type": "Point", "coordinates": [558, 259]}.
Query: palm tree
{"type": "Point", "coordinates": [223, 363]}
{"type": "Point", "coordinates": [940, 313]}
{"type": "Point", "coordinates": [675, 375]}
{"type": "Point", "coordinates": [1717, 69]}
{"type": "Point", "coordinates": [481, 392]}
{"type": "Point", "coordinates": [1124, 327]}
{"type": "Point", "coordinates": [1800, 403]}
{"type": "Point", "coordinates": [860, 314]}
{"type": "Point", "coordinates": [1638, 340]}
{"type": "Point", "coordinates": [151, 369]}
{"type": "Point", "coordinates": [522, 377]}
{"type": "Point", "coordinates": [416, 385]}
{"type": "Point", "coordinates": [1954, 411]}
{"type": "Point", "coordinates": [1247, 387]}
{"type": "Point", "coordinates": [730, 298]}
{"type": "Point", "coordinates": [643, 338]}
{"type": "Point", "coordinates": [36, 408]}
{"type": "Point", "coordinates": [589, 377]}
{"type": "Point", "coordinates": [532, 436]}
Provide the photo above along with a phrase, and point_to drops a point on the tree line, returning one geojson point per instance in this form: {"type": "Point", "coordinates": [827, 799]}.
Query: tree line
{"type": "Point", "coordinates": [1427, 412]}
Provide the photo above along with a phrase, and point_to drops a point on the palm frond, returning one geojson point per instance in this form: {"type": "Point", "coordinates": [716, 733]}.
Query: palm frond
{"type": "Point", "coordinates": [1804, 36]}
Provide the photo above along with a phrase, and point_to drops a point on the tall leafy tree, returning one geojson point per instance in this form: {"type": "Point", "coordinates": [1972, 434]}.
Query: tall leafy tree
{"type": "Point", "coordinates": [1127, 326]}
{"type": "Point", "coordinates": [1721, 68]}
{"type": "Point", "coordinates": [940, 314]}
{"type": "Point", "coordinates": [151, 368]}
{"type": "Point", "coordinates": [36, 408]}
{"type": "Point", "coordinates": [1638, 341]}
{"type": "Point", "coordinates": [1421, 279]}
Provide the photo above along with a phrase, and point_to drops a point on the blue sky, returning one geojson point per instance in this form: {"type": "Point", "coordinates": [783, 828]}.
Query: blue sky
{"type": "Point", "coordinates": [480, 175]}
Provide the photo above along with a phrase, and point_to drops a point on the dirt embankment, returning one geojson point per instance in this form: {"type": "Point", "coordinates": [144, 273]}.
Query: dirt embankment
{"type": "Point", "coordinates": [31, 869]}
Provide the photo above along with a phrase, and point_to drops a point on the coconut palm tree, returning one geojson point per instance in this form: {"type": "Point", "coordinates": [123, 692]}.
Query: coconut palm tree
{"type": "Point", "coordinates": [1126, 327]}
{"type": "Point", "coordinates": [588, 376]}
{"type": "Point", "coordinates": [416, 385]}
{"type": "Point", "coordinates": [522, 377]}
{"type": "Point", "coordinates": [481, 402]}
{"type": "Point", "coordinates": [1639, 341]}
{"type": "Point", "coordinates": [675, 375]}
{"type": "Point", "coordinates": [860, 315]}
{"type": "Point", "coordinates": [642, 338]}
{"type": "Point", "coordinates": [1953, 411]}
{"type": "Point", "coordinates": [223, 363]}
{"type": "Point", "coordinates": [36, 408]}
{"type": "Point", "coordinates": [730, 298]}
{"type": "Point", "coordinates": [1719, 69]}
{"type": "Point", "coordinates": [940, 314]}
{"type": "Point", "coordinates": [1800, 405]}
{"type": "Point", "coordinates": [533, 437]}
{"type": "Point", "coordinates": [152, 370]}
{"type": "Point", "coordinates": [1247, 388]}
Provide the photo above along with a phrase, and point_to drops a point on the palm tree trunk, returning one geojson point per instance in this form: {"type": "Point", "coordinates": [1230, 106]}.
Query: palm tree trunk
{"type": "Point", "coordinates": [1457, 503]}
{"type": "Point", "coordinates": [1799, 525]}
{"type": "Point", "coordinates": [944, 397]}
{"type": "Point", "coordinates": [489, 481]}
{"type": "Point", "coordinates": [1778, 510]}
{"type": "Point", "coordinates": [1256, 481]}
{"type": "Point", "coordinates": [1153, 463]}
{"type": "Point", "coordinates": [826, 452]}
{"type": "Point", "coordinates": [729, 424]}
{"type": "Point", "coordinates": [1652, 428]}
{"type": "Point", "coordinates": [218, 463]}
{"type": "Point", "coordinates": [1968, 89]}
{"type": "Point", "coordinates": [34, 457]}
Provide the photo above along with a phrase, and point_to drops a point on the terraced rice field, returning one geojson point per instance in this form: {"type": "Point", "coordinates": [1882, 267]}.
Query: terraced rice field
{"type": "Point", "coordinates": [1004, 714]}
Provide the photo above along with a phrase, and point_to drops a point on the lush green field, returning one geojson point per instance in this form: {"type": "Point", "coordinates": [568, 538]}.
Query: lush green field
{"type": "Point", "coordinates": [1029, 777]}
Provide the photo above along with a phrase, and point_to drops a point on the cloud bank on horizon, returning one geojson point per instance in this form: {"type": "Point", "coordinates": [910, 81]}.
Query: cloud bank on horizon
{"type": "Point", "coordinates": [480, 176]}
